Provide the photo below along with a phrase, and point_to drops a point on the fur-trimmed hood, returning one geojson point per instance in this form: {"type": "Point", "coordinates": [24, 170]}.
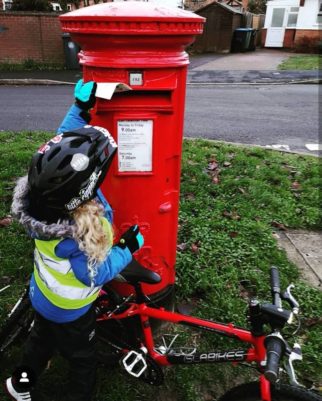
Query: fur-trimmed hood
{"type": "Point", "coordinates": [36, 229]}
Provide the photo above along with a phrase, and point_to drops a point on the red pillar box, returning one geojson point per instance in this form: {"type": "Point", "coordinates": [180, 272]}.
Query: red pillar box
{"type": "Point", "coordinates": [142, 45]}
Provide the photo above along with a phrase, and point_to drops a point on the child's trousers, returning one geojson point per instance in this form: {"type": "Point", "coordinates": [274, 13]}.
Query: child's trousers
{"type": "Point", "coordinates": [76, 342]}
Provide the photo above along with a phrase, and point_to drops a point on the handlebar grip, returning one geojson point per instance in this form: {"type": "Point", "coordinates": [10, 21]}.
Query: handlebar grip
{"type": "Point", "coordinates": [275, 348]}
{"type": "Point", "coordinates": [275, 286]}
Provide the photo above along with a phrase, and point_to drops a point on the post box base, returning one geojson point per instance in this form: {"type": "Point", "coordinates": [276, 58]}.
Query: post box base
{"type": "Point", "coordinates": [165, 299]}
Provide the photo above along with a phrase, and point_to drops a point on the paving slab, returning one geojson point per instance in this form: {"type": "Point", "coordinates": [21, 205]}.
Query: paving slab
{"type": "Point", "coordinates": [261, 59]}
{"type": "Point", "coordinates": [304, 249]}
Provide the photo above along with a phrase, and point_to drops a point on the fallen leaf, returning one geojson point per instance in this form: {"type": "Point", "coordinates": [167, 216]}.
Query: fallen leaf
{"type": "Point", "coordinates": [226, 164]}
{"type": "Point", "coordinates": [242, 191]}
{"type": "Point", "coordinates": [182, 247]}
{"type": "Point", "coordinates": [235, 216]}
{"type": "Point", "coordinates": [191, 163]}
{"type": "Point", "coordinates": [231, 215]}
{"type": "Point", "coordinates": [213, 165]}
{"type": "Point", "coordinates": [5, 221]}
{"type": "Point", "coordinates": [309, 322]}
{"type": "Point", "coordinates": [278, 225]}
{"type": "Point", "coordinates": [296, 186]}
{"type": "Point", "coordinates": [233, 234]}
{"type": "Point", "coordinates": [246, 289]}
{"type": "Point", "coordinates": [215, 180]}
{"type": "Point", "coordinates": [190, 196]}
{"type": "Point", "coordinates": [195, 248]}
{"type": "Point", "coordinates": [231, 155]}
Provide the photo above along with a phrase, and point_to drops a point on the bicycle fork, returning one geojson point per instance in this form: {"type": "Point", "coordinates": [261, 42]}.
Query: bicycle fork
{"type": "Point", "coordinates": [265, 388]}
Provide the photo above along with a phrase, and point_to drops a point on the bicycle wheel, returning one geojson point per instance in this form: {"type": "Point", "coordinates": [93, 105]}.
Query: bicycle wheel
{"type": "Point", "coordinates": [18, 324]}
{"type": "Point", "coordinates": [282, 392]}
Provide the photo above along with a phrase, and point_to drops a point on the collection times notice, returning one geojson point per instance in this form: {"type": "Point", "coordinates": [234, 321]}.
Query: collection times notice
{"type": "Point", "coordinates": [135, 145]}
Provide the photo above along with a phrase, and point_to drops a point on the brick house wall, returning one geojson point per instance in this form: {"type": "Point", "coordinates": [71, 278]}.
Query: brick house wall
{"type": "Point", "coordinates": [35, 36]}
{"type": "Point", "coordinates": [302, 36]}
{"type": "Point", "coordinates": [303, 40]}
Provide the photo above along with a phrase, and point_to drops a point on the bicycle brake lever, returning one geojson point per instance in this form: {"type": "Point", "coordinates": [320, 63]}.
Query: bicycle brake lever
{"type": "Point", "coordinates": [295, 355]}
{"type": "Point", "coordinates": [288, 297]}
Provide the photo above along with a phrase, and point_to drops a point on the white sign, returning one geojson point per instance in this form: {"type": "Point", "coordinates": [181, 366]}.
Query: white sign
{"type": "Point", "coordinates": [135, 145]}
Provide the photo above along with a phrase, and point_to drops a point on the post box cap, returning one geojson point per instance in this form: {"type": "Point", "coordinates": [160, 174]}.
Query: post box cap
{"type": "Point", "coordinates": [132, 16]}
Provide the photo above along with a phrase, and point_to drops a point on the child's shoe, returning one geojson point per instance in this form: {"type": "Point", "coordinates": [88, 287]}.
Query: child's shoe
{"type": "Point", "coordinates": [16, 394]}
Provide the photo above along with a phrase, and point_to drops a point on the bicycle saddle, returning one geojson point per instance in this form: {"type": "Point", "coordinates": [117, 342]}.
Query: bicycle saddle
{"type": "Point", "coordinates": [135, 273]}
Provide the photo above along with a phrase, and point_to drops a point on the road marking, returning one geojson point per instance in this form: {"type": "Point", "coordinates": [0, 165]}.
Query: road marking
{"type": "Point", "coordinates": [279, 147]}
{"type": "Point", "coordinates": [313, 146]}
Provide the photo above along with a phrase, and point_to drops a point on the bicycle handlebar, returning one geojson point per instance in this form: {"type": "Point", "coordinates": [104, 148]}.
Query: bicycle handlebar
{"type": "Point", "coordinates": [275, 347]}
{"type": "Point", "coordinates": [275, 287]}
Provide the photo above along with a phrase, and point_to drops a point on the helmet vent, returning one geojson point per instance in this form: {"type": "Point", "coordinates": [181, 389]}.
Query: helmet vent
{"type": "Point", "coordinates": [54, 153]}
{"type": "Point", "coordinates": [65, 162]}
{"type": "Point", "coordinates": [76, 143]}
{"type": "Point", "coordinates": [38, 165]}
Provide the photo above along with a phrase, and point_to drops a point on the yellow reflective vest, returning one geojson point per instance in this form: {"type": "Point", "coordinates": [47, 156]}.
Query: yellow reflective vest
{"type": "Point", "coordinates": [56, 279]}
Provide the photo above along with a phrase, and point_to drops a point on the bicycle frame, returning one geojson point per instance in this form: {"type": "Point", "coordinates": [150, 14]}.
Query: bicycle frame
{"type": "Point", "coordinates": [255, 353]}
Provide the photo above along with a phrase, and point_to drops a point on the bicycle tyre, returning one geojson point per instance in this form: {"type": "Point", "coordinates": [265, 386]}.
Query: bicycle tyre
{"type": "Point", "coordinates": [18, 324]}
{"type": "Point", "coordinates": [281, 392]}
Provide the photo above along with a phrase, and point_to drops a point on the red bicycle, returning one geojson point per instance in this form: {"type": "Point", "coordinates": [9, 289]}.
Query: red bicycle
{"type": "Point", "coordinates": [124, 323]}
{"type": "Point", "coordinates": [142, 358]}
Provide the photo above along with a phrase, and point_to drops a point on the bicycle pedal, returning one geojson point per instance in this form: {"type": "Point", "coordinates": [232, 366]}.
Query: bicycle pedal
{"type": "Point", "coordinates": [134, 363]}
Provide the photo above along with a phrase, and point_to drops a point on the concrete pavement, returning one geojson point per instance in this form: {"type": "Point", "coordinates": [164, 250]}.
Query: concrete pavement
{"type": "Point", "coordinates": [257, 67]}
{"type": "Point", "coordinates": [261, 59]}
{"type": "Point", "coordinates": [304, 249]}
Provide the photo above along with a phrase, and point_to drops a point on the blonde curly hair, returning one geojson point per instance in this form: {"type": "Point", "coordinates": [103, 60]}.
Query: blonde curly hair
{"type": "Point", "coordinates": [93, 234]}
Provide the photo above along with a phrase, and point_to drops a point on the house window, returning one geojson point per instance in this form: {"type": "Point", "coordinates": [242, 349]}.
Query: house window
{"type": "Point", "coordinates": [7, 4]}
{"type": "Point", "coordinates": [319, 17]}
{"type": "Point", "coordinates": [278, 17]}
{"type": "Point", "coordinates": [69, 7]}
{"type": "Point", "coordinates": [292, 17]}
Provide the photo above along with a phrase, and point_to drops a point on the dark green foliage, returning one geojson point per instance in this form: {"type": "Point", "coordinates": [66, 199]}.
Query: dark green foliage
{"type": "Point", "coordinates": [257, 6]}
{"type": "Point", "coordinates": [31, 5]}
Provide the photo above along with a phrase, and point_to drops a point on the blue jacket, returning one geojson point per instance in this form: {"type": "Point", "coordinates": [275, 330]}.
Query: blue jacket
{"type": "Point", "coordinates": [116, 260]}
{"type": "Point", "coordinates": [114, 263]}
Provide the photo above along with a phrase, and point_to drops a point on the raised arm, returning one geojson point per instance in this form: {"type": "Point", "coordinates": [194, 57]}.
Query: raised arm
{"type": "Point", "coordinates": [78, 114]}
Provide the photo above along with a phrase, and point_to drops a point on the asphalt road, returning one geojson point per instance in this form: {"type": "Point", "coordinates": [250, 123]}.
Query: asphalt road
{"type": "Point", "coordinates": [249, 114]}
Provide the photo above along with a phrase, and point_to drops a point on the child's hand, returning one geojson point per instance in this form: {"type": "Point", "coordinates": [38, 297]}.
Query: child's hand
{"type": "Point", "coordinates": [132, 238]}
{"type": "Point", "coordinates": [85, 94]}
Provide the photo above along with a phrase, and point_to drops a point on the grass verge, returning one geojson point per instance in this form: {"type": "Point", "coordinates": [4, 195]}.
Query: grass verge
{"type": "Point", "coordinates": [31, 65]}
{"type": "Point", "coordinates": [304, 62]}
{"type": "Point", "coordinates": [233, 201]}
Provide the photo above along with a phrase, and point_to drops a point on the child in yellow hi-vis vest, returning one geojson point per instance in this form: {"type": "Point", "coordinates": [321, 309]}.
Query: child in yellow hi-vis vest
{"type": "Point", "coordinates": [60, 204]}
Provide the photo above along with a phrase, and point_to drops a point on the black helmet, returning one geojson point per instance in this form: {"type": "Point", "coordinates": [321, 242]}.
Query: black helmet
{"type": "Point", "coordinates": [67, 171]}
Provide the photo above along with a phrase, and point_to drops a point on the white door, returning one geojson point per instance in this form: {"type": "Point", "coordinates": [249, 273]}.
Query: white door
{"type": "Point", "coordinates": [276, 29]}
